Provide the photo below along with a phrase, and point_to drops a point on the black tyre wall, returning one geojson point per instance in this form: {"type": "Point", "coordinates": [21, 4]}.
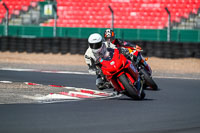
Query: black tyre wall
{"type": "Point", "coordinates": [64, 45]}
{"type": "Point", "coordinates": [79, 46]}
{"type": "Point", "coordinates": [30, 45]}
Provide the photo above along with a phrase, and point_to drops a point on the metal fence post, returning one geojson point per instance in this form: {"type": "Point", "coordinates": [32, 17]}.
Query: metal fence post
{"type": "Point", "coordinates": [169, 25]}
{"type": "Point", "coordinates": [55, 21]}
{"type": "Point", "coordinates": [7, 15]}
{"type": "Point", "coordinates": [112, 12]}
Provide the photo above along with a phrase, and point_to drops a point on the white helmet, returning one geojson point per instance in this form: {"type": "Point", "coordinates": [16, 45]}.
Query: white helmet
{"type": "Point", "coordinates": [95, 43]}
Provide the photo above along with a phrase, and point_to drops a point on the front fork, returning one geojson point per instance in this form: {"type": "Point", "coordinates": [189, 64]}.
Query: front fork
{"type": "Point", "coordinates": [139, 81]}
{"type": "Point", "coordinates": [141, 61]}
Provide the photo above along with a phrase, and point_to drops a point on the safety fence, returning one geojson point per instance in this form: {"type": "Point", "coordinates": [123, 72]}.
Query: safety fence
{"type": "Point", "coordinates": [177, 35]}
{"type": "Point", "coordinates": [79, 46]}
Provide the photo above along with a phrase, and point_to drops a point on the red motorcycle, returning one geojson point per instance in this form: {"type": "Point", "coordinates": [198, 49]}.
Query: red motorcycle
{"type": "Point", "coordinates": [122, 74]}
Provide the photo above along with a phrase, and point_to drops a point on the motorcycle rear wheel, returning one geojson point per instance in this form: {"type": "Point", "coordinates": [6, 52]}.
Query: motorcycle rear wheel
{"type": "Point", "coordinates": [130, 90]}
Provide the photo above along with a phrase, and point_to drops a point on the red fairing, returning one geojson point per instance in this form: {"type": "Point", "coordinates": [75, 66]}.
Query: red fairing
{"type": "Point", "coordinates": [135, 53]}
{"type": "Point", "coordinates": [115, 67]}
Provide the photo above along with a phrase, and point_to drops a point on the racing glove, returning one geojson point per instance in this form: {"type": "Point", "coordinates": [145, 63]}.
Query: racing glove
{"type": "Point", "coordinates": [126, 53]}
{"type": "Point", "coordinates": [91, 69]}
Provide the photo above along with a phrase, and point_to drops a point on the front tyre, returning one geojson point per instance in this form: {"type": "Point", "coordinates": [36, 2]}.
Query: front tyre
{"type": "Point", "coordinates": [129, 88]}
{"type": "Point", "coordinates": [148, 80]}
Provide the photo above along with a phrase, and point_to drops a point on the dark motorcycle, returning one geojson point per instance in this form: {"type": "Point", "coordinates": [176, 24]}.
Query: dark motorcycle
{"type": "Point", "coordinates": [143, 68]}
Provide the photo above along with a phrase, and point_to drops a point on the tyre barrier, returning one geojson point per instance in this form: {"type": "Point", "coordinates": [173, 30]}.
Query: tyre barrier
{"type": "Point", "coordinates": [38, 47]}
{"type": "Point", "coordinates": [83, 45]}
{"type": "Point", "coordinates": [74, 45]}
{"type": "Point", "coordinates": [46, 45]}
{"type": "Point", "coordinates": [29, 45]}
{"type": "Point", "coordinates": [4, 44]}
{"type": "Point", "coordinates": [64, 46]}
{"type": "Point", "coordinates": [21, 45]}
{"type": "Point", "coordinates": [79, 46]}
{"type": "Point", "coordinates": [55, 46]}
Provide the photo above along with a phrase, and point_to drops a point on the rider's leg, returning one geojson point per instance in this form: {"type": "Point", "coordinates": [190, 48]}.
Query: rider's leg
{"type": "Point", "coordinates": [100, 82]}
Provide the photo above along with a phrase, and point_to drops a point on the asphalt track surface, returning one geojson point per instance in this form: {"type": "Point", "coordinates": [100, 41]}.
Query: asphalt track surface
{"type": "Point", "coordinates": [175, 108]}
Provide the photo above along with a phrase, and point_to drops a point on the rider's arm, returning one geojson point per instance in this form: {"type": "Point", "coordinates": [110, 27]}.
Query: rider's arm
{"type": "Point", "coordinates": [124, 51]}
{"type": "Point", "coordinates": [125, 44]}
{"type": "Point", "coordinates": [121, 43]}
{"type": "Point", "coordinates": [90, 61]}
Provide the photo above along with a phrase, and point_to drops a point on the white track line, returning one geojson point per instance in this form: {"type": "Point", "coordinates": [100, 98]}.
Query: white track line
{"type": "Point", "coordinates": [50, 97]}
{"type": "Point", "coordinates": [86, 73]}
{"type": "Point", "coordinates": [44, 71]}
{"type": "Point", "coordinates": [17, 69]}
{"type": "Point", "coordinates": [7, 82]}
{"type": "Point", "coordinates": [175, 77]}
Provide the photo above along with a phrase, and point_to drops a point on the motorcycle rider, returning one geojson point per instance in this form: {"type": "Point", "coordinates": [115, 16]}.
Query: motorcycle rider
{"type": "Point", "coordinates": [97, 49]}
{"type": "Point", "coordinates": [109, 36]}
{"type": "Point", "coordinates": [93, 53]}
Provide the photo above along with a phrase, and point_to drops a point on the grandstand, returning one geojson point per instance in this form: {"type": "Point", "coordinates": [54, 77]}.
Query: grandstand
{"type": "Point", "coordinates": [31, 25]}
{"type": "Point", "coordinates": [16, 9]}
{"type": "Point", "coordinates": [134, 14]}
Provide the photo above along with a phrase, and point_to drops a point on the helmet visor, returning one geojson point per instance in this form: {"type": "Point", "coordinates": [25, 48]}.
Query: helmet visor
{"type": "Point", "coordinates": [99, 52]}
{"type": "Point", "coordinates": [95, 45]}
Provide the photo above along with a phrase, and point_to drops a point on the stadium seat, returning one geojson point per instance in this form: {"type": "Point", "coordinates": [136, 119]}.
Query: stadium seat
{"type": "Point", "coordinates": [128, 14]}
{"type": "Point", "coordinates": [15, 6]}
{"type": "Point", "coordinates": [148, 14]}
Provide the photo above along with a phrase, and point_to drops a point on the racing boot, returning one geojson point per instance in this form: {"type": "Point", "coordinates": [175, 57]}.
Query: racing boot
{"type": "Point", "coordinates": [102, 84]}
{"type": "Point", "coordinates": [99, 83]}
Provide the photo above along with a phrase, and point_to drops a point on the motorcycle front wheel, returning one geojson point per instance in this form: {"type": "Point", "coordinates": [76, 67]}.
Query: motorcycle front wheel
{"type": "Point", "coordinates": [130, 89]}
{"type": "Point", "coordinates": [148, 80]}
